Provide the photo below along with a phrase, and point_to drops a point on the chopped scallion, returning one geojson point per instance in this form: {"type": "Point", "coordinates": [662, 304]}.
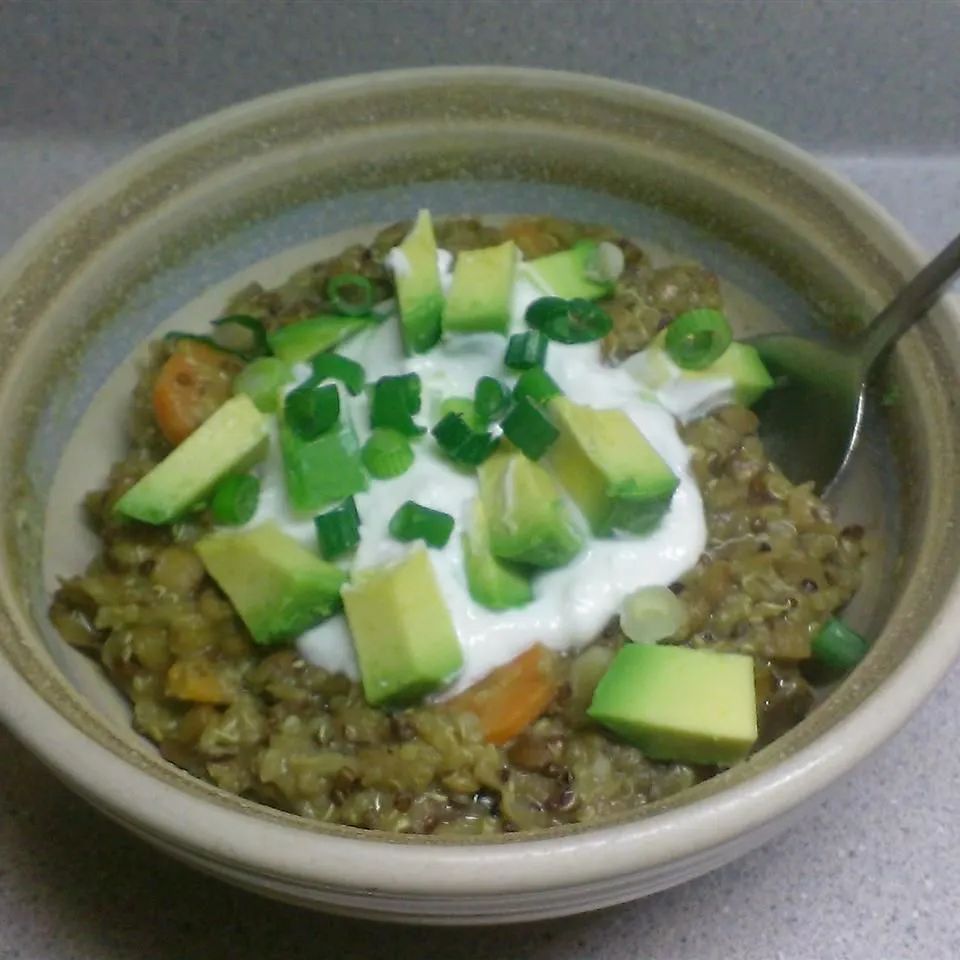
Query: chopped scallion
{"type": "Point", "coordinates": [311, 410]}
{"type": "Point", "coordinates": [176, 335]}
{"type": "Point", "coordinates": [837, 647]}
{"type": "Point", "coordinates": [536, 384]}
{"type": "Point", "coordinates": [478, 448]}
{"type": "Point", "coordinates": [529, 429]}
{"type": "Point", "coordinates": [415, 522]}
{"type": "Point", "coordinates": [338, 530]}
{"type": "Point", "coordinates": [261, 380]}
{"type": "Point", "coordinates": [451, 431]}
{"type": "Point", "coordinates": [461, 443]}
{"type": "Point", "coordinates": [490, 399]}
{"type": "Point", "coordinates": [526, 350]}
{"type": "Point", "coordinates": [463, 407]}
{"type": "Point", "coordinates": [394, 402]}
{"type": "Point", "coordinates": [333, 366]}
{"type": "Point", "coordinates": [607, 263]}
{"type": "Point", "coordinates": [246, 335]}
{"type": "Point", "coordinates": [697, 338]}
{"type": "Point", "coordinates": [569, 321]}
{"type": "Point", "coordinates": [651, 614]}
{"type": "Point", "coordinates": [387, 454]}
{"type": "Point", "coordinates": [350, 294]}
{"type": "Point", "coordinates": [234, 499]}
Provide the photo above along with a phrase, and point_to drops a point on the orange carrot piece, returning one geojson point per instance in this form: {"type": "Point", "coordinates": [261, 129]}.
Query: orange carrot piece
{"type": "Point", "coordinates": [195, 381]}
{"type": "Point", "coordinates": [510, 698]}
{"type": "Point", "coordinates": [197, 680]}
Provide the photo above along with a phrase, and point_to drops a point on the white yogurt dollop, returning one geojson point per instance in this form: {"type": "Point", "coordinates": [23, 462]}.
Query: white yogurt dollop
{"type": "Point", "coordinates": [571, 604]}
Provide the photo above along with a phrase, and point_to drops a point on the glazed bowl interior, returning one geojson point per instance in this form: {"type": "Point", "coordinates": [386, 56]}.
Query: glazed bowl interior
{"type": "Point", "coordinates": [259, 190]}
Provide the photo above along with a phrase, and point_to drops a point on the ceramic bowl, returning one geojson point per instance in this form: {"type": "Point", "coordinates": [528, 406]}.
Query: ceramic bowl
{"type": "Point", "coordinates": [247, 192]}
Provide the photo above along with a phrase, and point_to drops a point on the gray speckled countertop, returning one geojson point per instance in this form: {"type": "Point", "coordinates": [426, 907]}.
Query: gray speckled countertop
{"type": "Point", "coordinates": [873, 872]}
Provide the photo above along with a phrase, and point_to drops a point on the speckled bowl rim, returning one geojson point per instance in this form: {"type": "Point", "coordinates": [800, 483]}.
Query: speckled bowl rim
{"type": "Point", "coordinates": [391, 868]}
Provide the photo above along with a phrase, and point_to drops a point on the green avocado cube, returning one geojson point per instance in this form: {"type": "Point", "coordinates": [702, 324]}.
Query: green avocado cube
{"type": "Point", "coordinates": [303, 340]}
{"type": "Point", "coordinates": [495, 584]}
{"type": "Point", "coordinates": [324, 470]}
{"type": "Point", "coordinates": [609, 469]}
{"type": "Point", "coordinates": [403, 633]}
{"type": "Point", "coordinates": [529, 519]}
{"type": "Point", "coordinates": [419, 292]}
{"type": "Point", "coordinates": [479, 300]}
{"type": "Point", "coordinates": [233, 438]}
{"type": "Point", "coordinates": [740, 363]}
{"type": "Point", "coordinates": [278, 587]}
{"type": "Point", "coordinates": [674, 703]}
{"type": "Point", "coordinates": [569, 273]}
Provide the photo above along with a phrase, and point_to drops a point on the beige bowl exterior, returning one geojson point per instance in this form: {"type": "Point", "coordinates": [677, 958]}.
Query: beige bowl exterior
{"type": "Point", "coordinates": [76, 271]}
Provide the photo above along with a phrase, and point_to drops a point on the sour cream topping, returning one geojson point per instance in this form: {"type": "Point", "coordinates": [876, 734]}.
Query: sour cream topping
{"type": "Point", "coordinates": [571, 604]}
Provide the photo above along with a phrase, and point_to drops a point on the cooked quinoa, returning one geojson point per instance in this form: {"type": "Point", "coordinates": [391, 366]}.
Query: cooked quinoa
{"type": "Point", "coordinates": [294, 736]}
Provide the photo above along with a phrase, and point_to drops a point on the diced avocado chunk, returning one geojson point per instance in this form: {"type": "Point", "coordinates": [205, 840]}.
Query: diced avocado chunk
{"type": "Point", "coordinates": [321, 471]}
{"type": "Point", "coordinates": [529, 519]}
{"type": "Point", "coordinates": [403, 633]}
{"type": "Point", "coordinates": [417, 279]}
{"type": "Point", "coordinates": [740, 363]}
{"type": "Point", "coordinates": [298, 342]}
{"type": "Point", "coordinates": [278, 587]}
{"type": "Point", "coordinates": [674, 703]}
{"type": "Point", "coordinates": [479, 299]}
{"type": "Point", "coordinates": [233, 438]}
{"type": "Point", "coordinates": [609, 468]}
{"type": "Point", "coordinates": [495, 584]}
{"type": "Point", "coordinates": [567, 274]}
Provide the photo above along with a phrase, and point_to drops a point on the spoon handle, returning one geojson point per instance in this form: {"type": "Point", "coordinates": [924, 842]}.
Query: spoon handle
{"type": "Point", "coordinates": [910, 304]}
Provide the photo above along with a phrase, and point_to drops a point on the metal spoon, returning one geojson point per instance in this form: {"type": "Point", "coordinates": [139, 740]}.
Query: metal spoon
{"type": "Point", "coordinates": [811, 422]}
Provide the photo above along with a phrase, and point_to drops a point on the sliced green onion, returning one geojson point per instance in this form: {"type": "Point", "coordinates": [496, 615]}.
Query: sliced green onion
{"type": "Point", "coordinates": [350, 505]}
{"type": "Point", "coordinates": [332, 366]}
{"type": "Point", "coordinates": [463, 407]}
{"type": "Point", "coordinates": [652, 614]}
{"type": "Point", "coordinates": [387, 454]}
{"type": "Point", "coordinates": [451, 431]}
{"type": "Point", "coordinates": [698, 338]}
{"type": "Point", "coordinates": [837, 647]}
{"type": "Point", "coordinates": [176, 335]}
{"type": "Point", "coordinates": [261, 380]}
{"type": "Point", "coordinates": [414, 522]}
{"type": "Point", "coordinates": [490, 399]}
{"type": "Point", "coordinates": [461, 443]}
{"type": "Point", "coordinates": [311, 410]}
{"type": "Point", "coordinates": [477, 449]}
{"type": "Point", "coordinates": [536, 384]}
{"type": "Point", "coordinates": [234, 499]}
{"type": "Point", "coordinates": [607, 263]}
{"type": "Point", "coordinates": [246, 335]}
{"type": "Point", "coordinates": [569, 321]}
{"type": "Point", "coordinates": [338, 530]}
{"type": "Point", "coordinates": [395, 401]}
{"type": "Point", "coordinates": [525, 350]}
{"type": "Point", "coordinates": [350, 294]}
{"type": "Point", "coordinates": [529, 429]}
